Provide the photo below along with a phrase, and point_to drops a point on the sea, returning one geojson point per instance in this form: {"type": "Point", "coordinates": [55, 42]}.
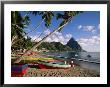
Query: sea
{"type": "Point", "coordinates": [89, 60]}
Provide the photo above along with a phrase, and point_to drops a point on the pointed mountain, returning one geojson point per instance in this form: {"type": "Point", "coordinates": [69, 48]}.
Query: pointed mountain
{"type": "Point", "coordinates": [74, 45]}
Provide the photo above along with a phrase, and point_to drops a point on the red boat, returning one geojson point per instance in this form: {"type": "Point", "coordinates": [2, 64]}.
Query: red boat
{"type": "Point", "coordinates": [18, 73]}
{"type": "Point", "coordinates": [18, 70]}
{"type": "Point", "coordinates": [53, 65]}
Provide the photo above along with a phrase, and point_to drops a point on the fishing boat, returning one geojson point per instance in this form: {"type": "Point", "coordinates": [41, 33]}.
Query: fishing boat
{"type": "Point", "coordinates": [65, 57]}
{"type": "Point", "coordinates": [60, 56]}
{"type": "Point", "coordinates": [18, 70]}
{"type": "Point", "coordinates": [76, 55]}
{"type": "Point", "coordinates": [33, 65]}
{"type": "Point", "coordinates": [88, 55]}
{"type": "Point", "coordinates": [54, 65]}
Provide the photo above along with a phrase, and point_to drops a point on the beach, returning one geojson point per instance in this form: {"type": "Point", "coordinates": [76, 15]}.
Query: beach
{"type": "Point", "coordinates": [49, 52]}
{"type": "Point", "coordinates": [76, 71]}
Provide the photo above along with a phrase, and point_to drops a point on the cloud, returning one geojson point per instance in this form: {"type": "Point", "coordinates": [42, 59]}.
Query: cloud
{"type": "Point", "coordinates": [90, 41]}
{"type": "Point", "coordinates": [80, 26]}
{"type": "Point", "coordinates": [46, 31]}
{"type": "Point", "coordinates": [56, 37]}
{"type": "Point", "coordinates": [93, 31]}
{"type": "Point", "coordinates": [90, 44]}
{"type": "Point", "coordinates": [59, 37]}
{"type": "Point", "coordinates": [35, 38]}
{"type": "Point", "coordinates": [99, 26]}
{"type": "Point", "coordinates": [88, 28]}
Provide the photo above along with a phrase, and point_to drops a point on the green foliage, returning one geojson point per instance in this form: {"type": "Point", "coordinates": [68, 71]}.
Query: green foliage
{"type": "Point", "coordinates": [24, 43]}
{"type": "Point", "coordinates": [46, 16]}
{"type": "Point", "coordinates": [54, 46]}
{"type": "Point", "coordinates": [71, 45]}
{"type": "Point", "coordinates": [66, 16]}
{"type": "Point", "coordinates": [18, 23]}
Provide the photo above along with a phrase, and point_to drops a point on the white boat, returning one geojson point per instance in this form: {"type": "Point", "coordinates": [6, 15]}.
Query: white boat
{"type": "Point", "coordinates": [73, 58]}
{"type": "Point", "coordinates": [76, 55]}
{"type": "Point", "coordinates": [56, 64]}
{"type": "Point", "coordinates": [65, 57]}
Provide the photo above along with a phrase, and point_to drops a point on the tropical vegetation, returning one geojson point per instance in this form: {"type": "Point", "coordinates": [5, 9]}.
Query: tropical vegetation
{"type": "Point", "coordinates": [21, 40]}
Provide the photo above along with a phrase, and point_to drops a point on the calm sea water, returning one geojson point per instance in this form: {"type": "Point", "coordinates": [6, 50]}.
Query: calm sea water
{"type": "Point", "coordinates": [80, 58]}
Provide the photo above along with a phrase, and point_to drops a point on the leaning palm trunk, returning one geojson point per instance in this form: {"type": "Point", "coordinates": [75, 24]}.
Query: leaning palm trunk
{"type": "Point", "coordinates": [36, 26]}
{"type": "Point", "coordinates": [27, 33]}
{"type": "Point", "coordinates": [35, 46]}
{"type": "Point", "coordinates": [13, 40]}
{"type": "Point", "coordinates": [40, 34]}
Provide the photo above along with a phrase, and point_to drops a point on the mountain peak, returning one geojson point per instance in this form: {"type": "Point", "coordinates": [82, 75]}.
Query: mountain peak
{"type": "Point", "coordinates": [72, 43]}
{"type": "Point", "coordinates": [71, 39]}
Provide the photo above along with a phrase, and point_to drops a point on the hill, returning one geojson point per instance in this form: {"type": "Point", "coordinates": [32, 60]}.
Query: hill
{"type": "Point", "coordinates": [71, 45]}
{"type": "Point", "coordinates": [54, 46]}
{"type": "Point", "coordinates": [74, 45]}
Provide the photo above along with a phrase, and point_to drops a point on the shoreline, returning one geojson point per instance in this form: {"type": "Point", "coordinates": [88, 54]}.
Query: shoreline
{"type": "Point", "coordinates": [76, 71]}
{"type": "Point", "coordinates": [84, 63]}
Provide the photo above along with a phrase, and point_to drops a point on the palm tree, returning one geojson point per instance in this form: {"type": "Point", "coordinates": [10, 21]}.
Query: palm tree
{"type": "Point", "coordinates": [17, 24]}
{"type": "Point", "coordinates": [46, 16]}
{"type": "Point", "coordinates": [67, 17]}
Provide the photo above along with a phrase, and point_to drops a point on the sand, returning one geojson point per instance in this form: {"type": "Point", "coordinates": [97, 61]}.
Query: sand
{"type": "Point", "coordinates": [76, 71]}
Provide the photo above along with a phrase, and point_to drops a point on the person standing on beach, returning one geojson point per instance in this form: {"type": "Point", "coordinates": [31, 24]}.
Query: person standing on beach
{"type": "Point", "coordinates": [72, 65]}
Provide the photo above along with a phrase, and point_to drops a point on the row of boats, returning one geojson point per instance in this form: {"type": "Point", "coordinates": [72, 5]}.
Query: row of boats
{"type": "Point", "coordinates": [20, 69]}
{"type": "Point", "coordinates": [51, 63]}
{"type": "Point", "coordinates": [76, 55]}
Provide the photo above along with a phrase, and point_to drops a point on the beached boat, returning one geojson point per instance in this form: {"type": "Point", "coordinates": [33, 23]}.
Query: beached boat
{"type": "Point", "coordinates": [35, 59]}
{"type": "Point", "coordinates": [33, 65]}
{"type": "Point", "coordinates": [18, 70]}
{"type": "Point", "coordinates": [56, 64]}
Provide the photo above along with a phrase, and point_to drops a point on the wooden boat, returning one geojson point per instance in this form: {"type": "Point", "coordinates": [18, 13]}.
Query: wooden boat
{"type": "Point", "coordinates": [53, 65]}
{"type": "Point", "coordinates": [18, 70]}
{"type": "Point", "coordinates": [33, 65]}
{"type": "Point", "coordinates": [18, 73]}
{"type": "Point", "coordinates": [35, 59]}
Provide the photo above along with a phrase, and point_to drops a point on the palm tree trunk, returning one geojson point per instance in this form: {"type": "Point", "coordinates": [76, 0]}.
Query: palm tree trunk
{"type": "Point", "coordinates": [13, 39]}
{"type": "Point", "coordinates": [28, 32]}
{"type": "Point", "coordinates": [35, 46]}
{"type": "Point", "coordinates": [36, 27]}
{"type": "Point", "coordinates": [40, 34]}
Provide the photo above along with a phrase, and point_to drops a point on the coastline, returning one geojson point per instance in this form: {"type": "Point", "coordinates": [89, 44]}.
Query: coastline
{"type": "Point", "coordinates": [76, 71]}
{"type": "Point", "coordinates": [84, 63]}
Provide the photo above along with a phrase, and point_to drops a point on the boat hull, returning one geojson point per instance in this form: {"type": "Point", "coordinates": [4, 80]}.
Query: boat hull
{"type": "Point", "coordinates": [52, 65]}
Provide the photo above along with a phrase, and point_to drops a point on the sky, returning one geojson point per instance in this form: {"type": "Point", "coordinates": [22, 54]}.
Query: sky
{"type": "Point", "coordinates": [84, 28]}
